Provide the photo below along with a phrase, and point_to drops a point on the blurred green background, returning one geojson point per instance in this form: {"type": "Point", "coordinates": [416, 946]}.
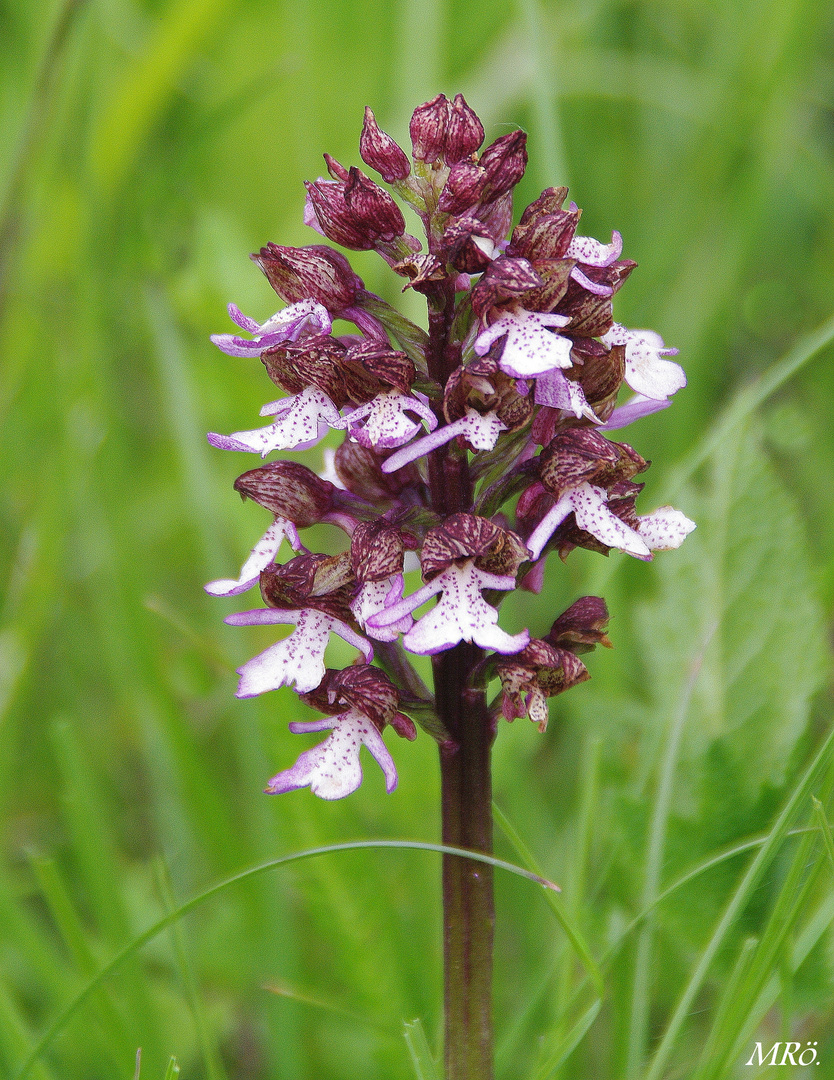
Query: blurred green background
{"type": "Point", "coordinates": [148, 147]}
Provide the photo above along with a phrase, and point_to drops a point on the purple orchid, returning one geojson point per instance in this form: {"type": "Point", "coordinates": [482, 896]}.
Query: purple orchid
{"type": "Point", "coordinates": [590, 252]}
{"type": "Point", "coordinates": [376, 596]}
{"type": "Point", "coordinates": [479, 429]}
{"type": "Point", "coordinates": [262, 555]}
{"type": "Point", "coordinates": [301, 421]}
{"type": "Point", "coordinates": [531, 348]}
{"type": "Point", "coordinates": [383, 424]}
{"type": "Point", "coordinates": [462, 614]}
{"type": "Point", "coordinates": [303, 317]}
{"type": "Point", "coordinates": [646, 372]}
{"type": "Point", "coordinates": [332, 769]}
{"type": "Point", "coordinates": [666, 528]}
{"type": "Point", "coordinates": [297, 659]}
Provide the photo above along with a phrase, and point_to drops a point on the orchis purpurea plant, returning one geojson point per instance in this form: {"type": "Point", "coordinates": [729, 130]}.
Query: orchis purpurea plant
{"type": "Point", "coordinates": [474, 450]}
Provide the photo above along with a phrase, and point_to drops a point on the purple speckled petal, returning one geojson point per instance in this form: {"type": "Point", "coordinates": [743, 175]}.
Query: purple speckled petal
{"type": "Point", "coordinates": [590, 507]}
{"type": "Point", "coordinates": [262, 555]}
{"type": "Point", "coordinates": [297, 659]}
{"type": "Point", "coordinates": [531, 347]}
{"type": "Point", "coordinates": [332, 769]}
{"type": "Point", "coordinates": [591, 252]}
{"type": "Point", "coordinates": [665, 529]}
{"type": "Point", "coordinates": [646, 372]}
{"type": "Point", "coordinates": [395, 612]}
{"type": "Point", "coordinates": [304, 420]}
{"type": "Point", "coordinates": [555, 390]}
{"type": "Point", "coordinates": [462, 614]}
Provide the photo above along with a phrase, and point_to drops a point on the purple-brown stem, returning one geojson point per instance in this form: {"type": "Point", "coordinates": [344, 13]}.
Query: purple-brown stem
{"type": "Point", "coordinates": [466, 788]}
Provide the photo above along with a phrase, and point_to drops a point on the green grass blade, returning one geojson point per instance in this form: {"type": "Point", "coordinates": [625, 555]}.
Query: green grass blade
{"type": "Point", "coordinates": [419, 1051]}
{"type": "Point", "coordinates": [569, 1042]}
{"type": "Point", "coordinates": [568, 924]}
{"type": "Point", "coordinates": [246, 875]}
{"type": "Point", "coordinates": [824, 827]}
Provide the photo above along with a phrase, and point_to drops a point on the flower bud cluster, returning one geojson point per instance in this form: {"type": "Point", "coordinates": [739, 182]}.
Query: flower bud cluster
{"type": "Point", "coordinates": [471, 451]}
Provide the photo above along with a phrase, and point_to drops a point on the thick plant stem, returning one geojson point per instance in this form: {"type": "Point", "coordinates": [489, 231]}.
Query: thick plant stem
{"type": "Point", "coordinates": [466, 784]}
{"type": "Point", "coordinates": [468, 903]}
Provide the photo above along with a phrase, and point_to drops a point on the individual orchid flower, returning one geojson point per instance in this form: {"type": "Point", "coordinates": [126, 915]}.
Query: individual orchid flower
{"type": "Point", "coordinates": [303, 317]}
{"type": "Point", "coordinates": [665, 529]}
{"type": "Point", "coordinates": [462, 614]}
{"type": "Point", "coordinates": [301, 421]}
{"type": "Point", "coordinates": [332, 769]}
{"type": "Point", "coordinates": [531, 348]}
{"type": "Point", "coordinates": [262, 555]}
{"type": "Point", "coordinates": [386, 424]}
{"type": "Point", "coordinates": [297, 659]}
{"type": "Point", "coordinates": [646, 372]}
{"type": "Point", "coordinates": [479, 429]}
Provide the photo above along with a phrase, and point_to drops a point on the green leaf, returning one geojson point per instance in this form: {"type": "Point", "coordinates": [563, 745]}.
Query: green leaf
{"type": "Point", "coordinates": [745, 573]}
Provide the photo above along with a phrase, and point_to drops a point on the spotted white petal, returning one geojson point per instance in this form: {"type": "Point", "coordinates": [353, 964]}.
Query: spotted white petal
{"type": "Point", "coordinates": [262, 555]}
{"type": "Point", "coordinates": [591, 252]}
{"type": "Point", "coordinates": [646, 372]}
{"type": "Point", "coordinates": [332, 769]}
{"type": "Point", "coordinates": [665, 529]}
{"type": "Point", "coordinates": [480, 429]}
{"type": "Point", "coordinates": [372, 598]}
{"type": "Point", "coordinates": [297, 659]}
{"type": "Point", "coordinates": [462, 614]}
{"type": "Point", "coordinates": [590, 507]}
{"type": "Point", "coordinates": [531, 348]}
{"type": "Point", "coordinates": [386, 424]}
{"type": "Point", "coordinates": [301, 421]}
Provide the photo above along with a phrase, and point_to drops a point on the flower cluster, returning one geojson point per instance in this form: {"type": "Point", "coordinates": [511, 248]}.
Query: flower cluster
{"type": "Point", "coordinates": [471, 451]}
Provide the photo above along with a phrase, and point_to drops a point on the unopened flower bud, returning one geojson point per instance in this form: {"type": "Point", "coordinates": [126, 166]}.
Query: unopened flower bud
{"type": "Point", "coordinates": [580, 456]}
{"type": "Point", "coordinates": [465, 132]}
{"type": "Point", "coordinates": [463, 189]}
{"type": "Point", "coordinates": [315, 272]}
{"type": "Point", "coordinates": [288, 489]}
{"type": "Point", "coordinates": [376, 550]}
{"type": "Point", "coordinates": [582, 626]}
{"type": "Point", "coordinates": [292, 586]}
{"type": "Point", "coordinates": [504, 279]}
{"type": "Point", "coordinates": [381, 152]}
{"type": "Point", "coordinates": [358, 468]}
{"type": "Point", "coordinates": [504, 162]}
{"type": "Point", "coordinates": [373, 208]}
{"type": "Point", "coordinates": [428, 127]}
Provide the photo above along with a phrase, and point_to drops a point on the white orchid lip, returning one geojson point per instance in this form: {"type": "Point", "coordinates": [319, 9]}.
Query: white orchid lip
{"type": "Point", "coordinates": [531, 347]}
{"type": "Point", "coordinates": [661, 531]}
{"type": "Point", "coordinates": [386, 424]}
{"type": "Point", "coordinates": [261, 556]}
{"type": "Point", "coordinates": [461, 614]}
{"type": "Point", "coordinates": [301, 421]}
{"type": "Point", "coordinates": [333, 769]}
{"type": "Point", "coordinates": [297, 659]}
{"type": "Point", "coordinates": [480, 429]}
{"type": "Point", "coordinates": [646, 372]}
